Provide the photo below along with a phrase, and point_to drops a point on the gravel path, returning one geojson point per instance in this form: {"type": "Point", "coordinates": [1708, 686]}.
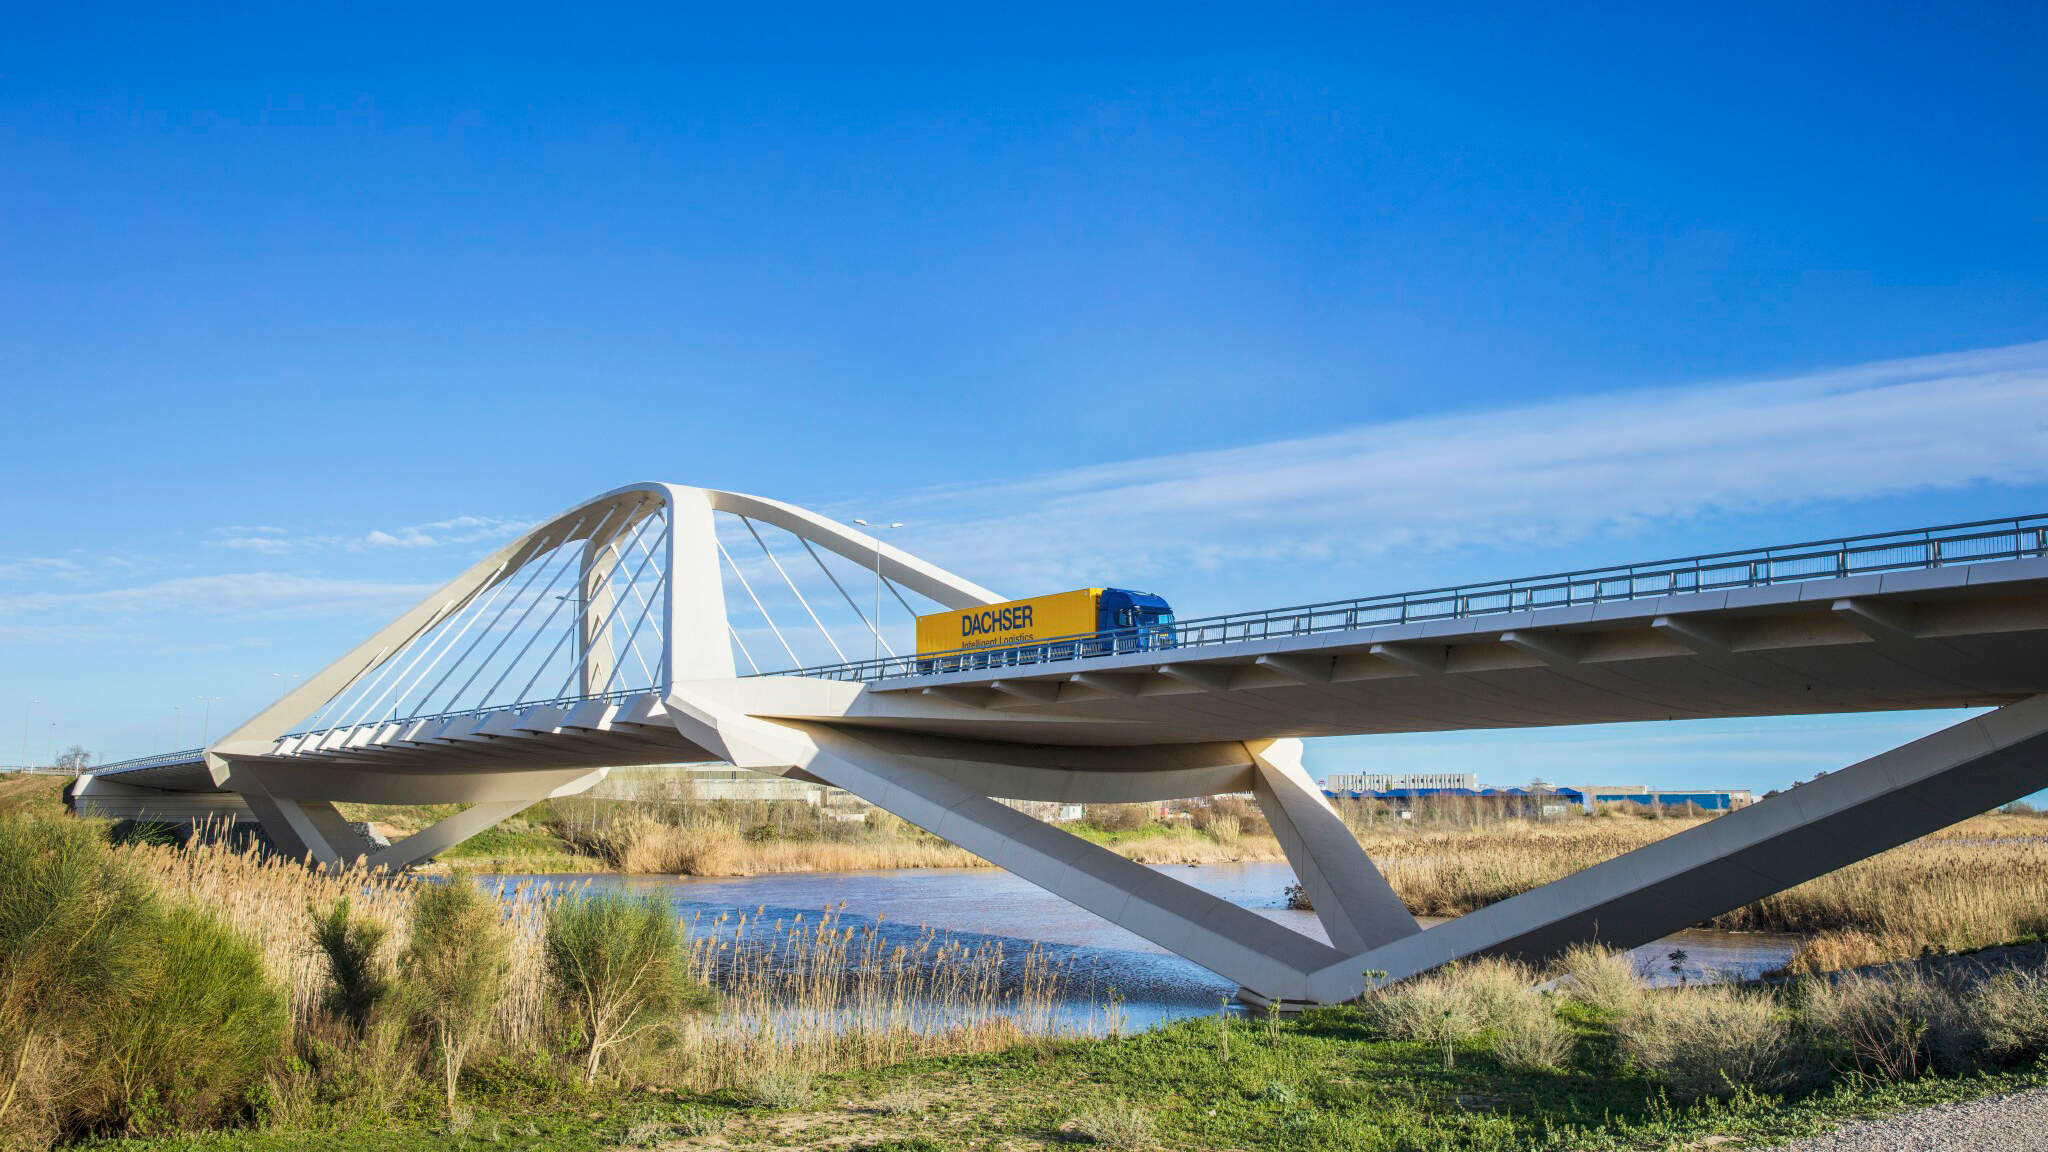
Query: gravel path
{"type": "Point", "coordinates": [2013, 1123]}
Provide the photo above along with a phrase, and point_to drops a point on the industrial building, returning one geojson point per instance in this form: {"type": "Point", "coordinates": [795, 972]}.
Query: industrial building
{"type": "Point", "coordinates": [1588, 797]}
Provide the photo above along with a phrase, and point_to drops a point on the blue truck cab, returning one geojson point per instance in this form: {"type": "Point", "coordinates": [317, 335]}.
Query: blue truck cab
{"type": "Point", "coordinates": [1130, 621]}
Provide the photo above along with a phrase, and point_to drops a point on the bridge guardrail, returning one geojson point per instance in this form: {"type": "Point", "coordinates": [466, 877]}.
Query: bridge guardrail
{"type": "Point", "coordinates": [157, 760]}
{"type": "Point", "coordinates": [1973, 543]}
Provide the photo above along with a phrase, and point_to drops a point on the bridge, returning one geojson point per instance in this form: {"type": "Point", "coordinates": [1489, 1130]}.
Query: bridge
{"type": "Point", "coordinates": [616, 633]}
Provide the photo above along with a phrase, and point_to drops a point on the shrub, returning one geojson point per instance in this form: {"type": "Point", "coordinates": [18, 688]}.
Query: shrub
{"type": "Point", "coordinates": [1115, 1124]}
{"type": "Point", "coordinates": [75, 936]}
{"type": "Point", "coordinates": [455, 967]}
{"type": "Point", "coordinates": [1501, 990]}
{"type": "Point", "coordinates": [1531, 1037]}
{"type": "Point", "coordinates": [1435, 1009]}
{"type": "Point", "coordinates": [903, 1102]}
{"type": "Point", "coordinates": [116, 1014]}
{"type": "Point", "coordinates": [358, 982]}
{"type": "Point", "coordinates": [1894, 1028]}
{"type": "Point", "coordinates": [1118, 817]}
{"type": "Point", "coordinates": [780, 1088]}
{"type": "Point", "coordinates": [199, 1032]}
{"type": "Point", "coordinates": [2010, 1013]}
{"type": "Point", "coordinates": [617, 966]}
{"type": "Point", "coordinates": [1709, 1040]}
{"type": "Point", "coordinates": [1602, 979]}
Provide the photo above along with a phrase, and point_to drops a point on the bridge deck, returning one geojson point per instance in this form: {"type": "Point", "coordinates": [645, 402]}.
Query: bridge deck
{"type": "Point", "coordinates": [1941, 618]}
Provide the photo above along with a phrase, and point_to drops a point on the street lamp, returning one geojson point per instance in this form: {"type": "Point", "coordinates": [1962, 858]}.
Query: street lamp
{"type": "Point", "coordinates": [877, 530]}
{"type": "Point", "coordinates": [206, 722]}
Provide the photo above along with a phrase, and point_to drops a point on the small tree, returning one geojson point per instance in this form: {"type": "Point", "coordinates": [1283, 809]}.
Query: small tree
{"type": "Point", "coordinates": [74, 759]}
{"type": "Point", "coordinates": [454, 970]}
{"type": "Point", "coordinates": [357, 979]}
{"type": "Point", "coordinates": [617, 966]}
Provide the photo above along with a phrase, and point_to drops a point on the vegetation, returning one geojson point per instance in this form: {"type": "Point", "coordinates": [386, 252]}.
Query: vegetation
{"type": "Point", "coordinates": [617, 967]}
{"type": "Point", "coordinates": [557, 1018]}
{"type": "Point", "coordinates": [118, 1012]}
{"type": "Point", "coordinates": [456, 965]}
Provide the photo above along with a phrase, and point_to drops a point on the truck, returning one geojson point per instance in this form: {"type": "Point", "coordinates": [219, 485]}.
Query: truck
{"type": "Point", "coordinates": [1062, 626]}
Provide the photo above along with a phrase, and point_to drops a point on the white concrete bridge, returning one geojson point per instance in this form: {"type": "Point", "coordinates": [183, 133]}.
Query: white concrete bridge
{"type": "Point", "coordinates": [614, 634]}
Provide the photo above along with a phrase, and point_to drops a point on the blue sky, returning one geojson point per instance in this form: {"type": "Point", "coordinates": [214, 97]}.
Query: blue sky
{"type": "Point", "coordinates": [303, 309]}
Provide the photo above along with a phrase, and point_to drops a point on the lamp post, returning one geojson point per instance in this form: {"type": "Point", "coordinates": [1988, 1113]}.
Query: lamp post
{"type": "Point", "coordinates": [877, 530]}
{"type": "Point", "coordinates": [206, 722]}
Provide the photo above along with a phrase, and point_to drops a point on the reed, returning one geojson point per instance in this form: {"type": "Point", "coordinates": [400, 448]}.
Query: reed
{"type": "Point", "coordinates": [1981, 882]}
{"type": "Point", "coordinates": [814, 993]}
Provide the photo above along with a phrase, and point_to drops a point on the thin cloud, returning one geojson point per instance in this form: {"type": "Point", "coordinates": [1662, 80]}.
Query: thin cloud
{"type": "Point", "coordinates": [234, 595]}
{"type": "Point", "coordinates": [272, 541]}
{"type": "Point", "coordinates": [41, 567]}
{"type": "Point", "coordinates": [1548, 473]}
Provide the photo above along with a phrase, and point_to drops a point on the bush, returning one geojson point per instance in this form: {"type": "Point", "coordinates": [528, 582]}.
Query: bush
{"type": "Point", "coordinates": [1116, 1124]}
{"type": "Point", "coordinates": [115, 1013]}
{"type": "Point", "coordinates": [358, 981]}
{"type": "Point", "coordinates": [1118, 817]}
{"type": "Point", "coordinates": [199, 1032]}
{"type": "Point", "coordinates": [1894, 1028]}
{"type": "Point", "coordinates": [780, 1088]}
{"type": "Point", "coordinates": [1709, 1040]}
{"type": "Point", "coordinates": [1602, 979]}
{"type": "Point", "coordinates": [1435, 1009]}
{"type": "Point", "coordinates": [1531, 1037]}
{"type": "Point", "coordinates": [74, 939]}
{"type": "Point", "coordinates": [616, 965]}
{"type": "Point", "coordinates": [455, 967]}
{"type": "Point", "coordinates": [2010, 1013]}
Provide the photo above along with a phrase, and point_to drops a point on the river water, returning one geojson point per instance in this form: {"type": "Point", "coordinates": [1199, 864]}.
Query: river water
{"type": "Point", "coordinates": [978, 905]}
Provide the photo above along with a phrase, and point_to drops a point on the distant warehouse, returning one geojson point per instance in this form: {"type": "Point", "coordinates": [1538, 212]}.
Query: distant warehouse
{"type": "Point", "coordinates": [1588, 797]}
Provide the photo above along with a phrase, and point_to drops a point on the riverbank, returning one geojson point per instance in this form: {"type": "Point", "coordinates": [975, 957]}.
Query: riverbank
{"type": "Point", "coordinates": [303, 1018]}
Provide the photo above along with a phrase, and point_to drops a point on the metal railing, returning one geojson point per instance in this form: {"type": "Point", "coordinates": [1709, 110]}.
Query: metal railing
{"type": "Point", "coordinates": [156, 761]}
{"type": "Point", "coordinates": [1953, 544]}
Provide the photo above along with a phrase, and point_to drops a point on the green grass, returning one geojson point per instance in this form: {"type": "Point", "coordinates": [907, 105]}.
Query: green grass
{"type": "Point", "coordinates": [1320, 1083]}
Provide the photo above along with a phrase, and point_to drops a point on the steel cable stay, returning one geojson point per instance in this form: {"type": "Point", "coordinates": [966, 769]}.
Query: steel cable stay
{"type": "Point", "coordinates": [560, 565]}
{"type": "Point", "coordinates": [742, 645]}
{"type": "Point", "coordinates": [527, 598]}
{"type": "Point", "coordinates": [536, 565]}
{"type": "Point", "coordinates": [426, 639]}
{"type": "Point", "coordinates": [618, 601]}
{"type": "Point", "coordinates": [602, 629]}
{"type": "Point", "coordinates": [646, 608]}
{"type": "Point", "coordinates": [611, 545]}
{"type": "Point", "coordinates": [794, 590]}
{"type": "Point", "coordinates": [872, 626]}
{"type": "Point", "coordinates": [383, 665]}
{"type": "Point", "coordinates": [758, 606]}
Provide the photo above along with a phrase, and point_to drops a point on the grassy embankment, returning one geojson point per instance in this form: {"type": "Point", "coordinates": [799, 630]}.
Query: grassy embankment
{"type": "Point", "coordinates": [1475, 1058]}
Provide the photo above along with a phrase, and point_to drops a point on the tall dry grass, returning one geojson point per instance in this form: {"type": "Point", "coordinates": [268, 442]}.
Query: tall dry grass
{"type": "Point", "coordinates": [1981, 882]}
{"type": "Point", "coordinates": [816, 993]}
{"type": "Point", "coordinates": [813, 994]}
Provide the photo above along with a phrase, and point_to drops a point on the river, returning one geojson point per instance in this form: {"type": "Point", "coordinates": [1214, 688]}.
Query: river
{"type": "Point", "coordinates": [981, 904]}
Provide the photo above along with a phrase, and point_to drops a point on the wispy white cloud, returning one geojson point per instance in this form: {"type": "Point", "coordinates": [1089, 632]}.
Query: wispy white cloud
{"type": "Point", "coordinates": [273, 541]}
{"type": "Point", "coordinates": [1551, 472]}
{"type": "Point", "coordinates": [235, 595]}
{"type": "Point", "coordinates": [42, 568]}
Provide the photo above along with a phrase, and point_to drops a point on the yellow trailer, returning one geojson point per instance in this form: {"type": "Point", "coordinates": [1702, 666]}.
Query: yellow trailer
{"type": "Point", "coordinates": [1063, 626]}
{"type": "Point", "coordinates": [1009, 623]}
